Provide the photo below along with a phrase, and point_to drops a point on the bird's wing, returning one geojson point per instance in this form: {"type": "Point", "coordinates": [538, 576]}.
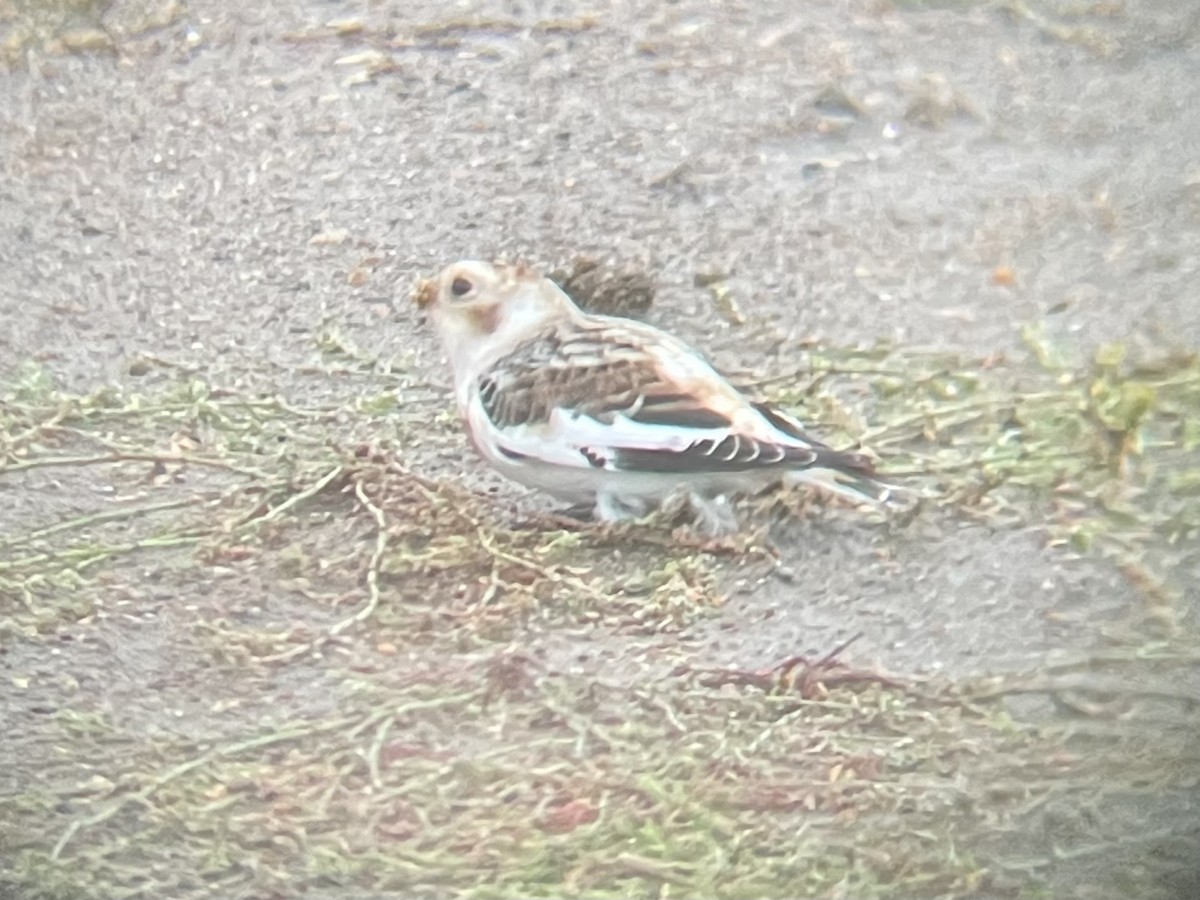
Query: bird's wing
{"type": "Point", "coordinates": [610, 396]}
{"type": "Point", "coordinates": [601, 373]}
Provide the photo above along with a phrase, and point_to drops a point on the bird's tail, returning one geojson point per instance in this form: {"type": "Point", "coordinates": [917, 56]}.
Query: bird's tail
{"type": "Point", "coordinates": [850, 475]}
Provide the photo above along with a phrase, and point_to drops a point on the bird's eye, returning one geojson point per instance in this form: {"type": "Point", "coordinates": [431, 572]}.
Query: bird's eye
{"type": "Point", "coordinates": [460, 287]}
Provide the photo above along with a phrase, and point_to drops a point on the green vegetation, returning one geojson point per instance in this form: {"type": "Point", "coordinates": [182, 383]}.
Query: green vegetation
{"type": "Point", "coordinates": [371, 720]}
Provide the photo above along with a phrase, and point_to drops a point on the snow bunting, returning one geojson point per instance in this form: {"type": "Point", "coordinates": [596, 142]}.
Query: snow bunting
{"type": "Point", "coordinates": [608, 411]}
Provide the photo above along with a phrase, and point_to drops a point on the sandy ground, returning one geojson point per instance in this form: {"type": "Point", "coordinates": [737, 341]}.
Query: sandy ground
{"type": "Point", "coordinates": [211, 201]}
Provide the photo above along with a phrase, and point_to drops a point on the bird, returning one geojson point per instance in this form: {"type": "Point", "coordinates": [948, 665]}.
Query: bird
{"type": "Point", "coordinates": [612, 413]}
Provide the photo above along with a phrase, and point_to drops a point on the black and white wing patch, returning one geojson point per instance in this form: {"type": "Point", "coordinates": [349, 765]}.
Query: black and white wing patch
{"type": "Point", "coordinates": [731, 453]}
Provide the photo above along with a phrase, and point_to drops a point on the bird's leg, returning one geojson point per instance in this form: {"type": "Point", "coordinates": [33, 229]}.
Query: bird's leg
{"type": "Point", "coordinates": [612, 508]}
{"type": "Point", "coordinates": [711, 516]}
{"type": "Point", "coordinates": [714, 516]}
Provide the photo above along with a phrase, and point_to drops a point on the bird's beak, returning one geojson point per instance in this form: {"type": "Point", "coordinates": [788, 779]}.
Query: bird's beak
{"type": "Point", "coordinates": [425, 293]}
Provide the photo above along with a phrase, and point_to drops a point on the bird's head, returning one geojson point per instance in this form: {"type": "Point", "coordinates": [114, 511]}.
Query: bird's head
{"type": "Point", "coordinates": [481, 310]}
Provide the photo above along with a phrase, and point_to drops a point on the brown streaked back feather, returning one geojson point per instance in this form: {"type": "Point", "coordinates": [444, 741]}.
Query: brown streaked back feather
{"type": "Point", "coordinates": [591, 370]}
